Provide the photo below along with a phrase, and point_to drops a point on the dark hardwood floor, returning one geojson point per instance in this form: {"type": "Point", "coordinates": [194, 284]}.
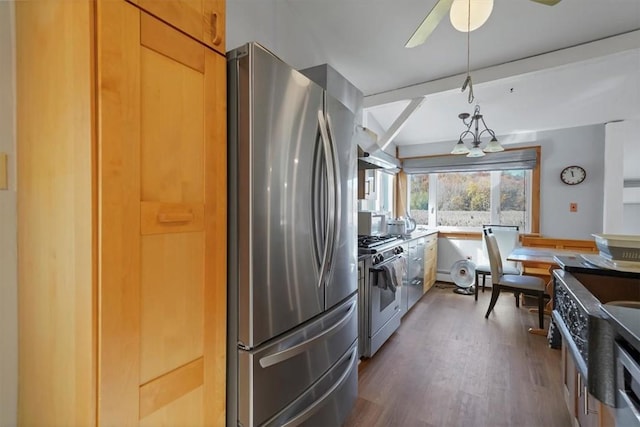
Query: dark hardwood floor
{"type": "Point", "coordinates": [449, 366]}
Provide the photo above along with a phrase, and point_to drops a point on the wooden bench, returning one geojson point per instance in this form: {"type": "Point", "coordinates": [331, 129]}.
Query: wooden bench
{"type": "Point", "coordinates": [543, 270]}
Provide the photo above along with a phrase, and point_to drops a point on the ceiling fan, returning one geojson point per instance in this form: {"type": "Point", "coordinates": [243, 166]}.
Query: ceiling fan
{"type": "Point", "coordinates": [441, 8]}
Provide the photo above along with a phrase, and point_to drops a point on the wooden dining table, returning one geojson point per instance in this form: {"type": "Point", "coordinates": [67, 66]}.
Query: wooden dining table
{"type": "Point", "coordinates": [542, 257]}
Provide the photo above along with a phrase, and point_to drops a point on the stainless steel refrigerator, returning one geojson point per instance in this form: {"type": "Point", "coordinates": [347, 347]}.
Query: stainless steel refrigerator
{"type": "Point", "coordinates": [293, 324]}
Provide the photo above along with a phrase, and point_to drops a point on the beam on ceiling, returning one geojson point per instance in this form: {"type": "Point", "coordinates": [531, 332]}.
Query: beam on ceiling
{"type": "Point", "coordinates": [397, 125]}
{"type": "Point", "coordinates": [557, 58]}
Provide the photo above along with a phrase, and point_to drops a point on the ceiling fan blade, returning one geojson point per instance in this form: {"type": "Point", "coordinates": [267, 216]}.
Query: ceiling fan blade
{"type": "Point", "coordinates": [548, 2]}
{"type": "Point", "coordinates": [430, 23]}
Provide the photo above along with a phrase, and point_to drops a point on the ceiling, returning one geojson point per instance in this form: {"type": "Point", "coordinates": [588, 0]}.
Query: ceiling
{"type": "Point", "coordinates": [518, 83]}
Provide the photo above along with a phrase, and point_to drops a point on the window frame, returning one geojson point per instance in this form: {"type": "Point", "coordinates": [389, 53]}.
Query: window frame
{"type": "Point", "coordinates": [532, 193]}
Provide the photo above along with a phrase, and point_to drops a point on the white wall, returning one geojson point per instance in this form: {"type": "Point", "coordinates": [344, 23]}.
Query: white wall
{"type": "Point", "coordinates": [583, 146]}
{"type": "Point", "coordinates": [8, 246]}
{"type": "Point", "coordinates": [631, 214]}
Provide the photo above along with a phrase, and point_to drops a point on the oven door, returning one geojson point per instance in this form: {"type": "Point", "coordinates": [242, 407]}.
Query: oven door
{"type": "Point", "coordinates": [628, 384]}
{"type": "Point", "coordinates": [384, 309]}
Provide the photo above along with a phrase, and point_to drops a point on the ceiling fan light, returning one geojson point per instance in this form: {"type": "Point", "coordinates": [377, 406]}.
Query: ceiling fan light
{"type": "Point", "coordinates": [476, 152]}
{"type": "Point", "coordinates": [493, 146]}
{"type": "Point", "coordinates": [460, 148]}
{"type": "Point", "coordinates": [480, 12]}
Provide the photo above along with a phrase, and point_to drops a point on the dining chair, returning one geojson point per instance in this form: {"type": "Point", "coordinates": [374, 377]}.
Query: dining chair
{"type": "Point", "coordinates": [528, 285]}
{"type": "Point", "coordinates": [508, 237]}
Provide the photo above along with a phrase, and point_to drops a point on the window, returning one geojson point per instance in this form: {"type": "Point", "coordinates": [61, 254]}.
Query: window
{"type": "Point", "coordinates": [419, 198]}
{"type": "Point", "coordinates": [379, 193]}
{"type": "Point", "coordinates": [468, 200]}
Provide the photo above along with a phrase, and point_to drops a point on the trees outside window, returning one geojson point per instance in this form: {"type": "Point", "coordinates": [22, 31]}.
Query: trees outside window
{"type": "Point", "coordinates": [471, 199]}
{"type": "Point", "coordinates": [419, 198]}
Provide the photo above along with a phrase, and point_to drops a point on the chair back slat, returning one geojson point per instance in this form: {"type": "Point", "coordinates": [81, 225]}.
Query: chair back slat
{"type": "Point", "coordinates": [495, 260]}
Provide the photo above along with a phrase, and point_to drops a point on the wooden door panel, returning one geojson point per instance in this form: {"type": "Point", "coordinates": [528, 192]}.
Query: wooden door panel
{"type": "Point", "coordinates": [172, 130]}
{"type": "Point", "coordinates": [160, 392]}
{"type": "Point", "coordinates": [171, 310]}
{"type": "Point", "coordinates": [203, 20]}
{"type": "Point", "coordinates": [186, 411]}
{"type": "Point", "coordinates": [118, 59]}
{"type": "Point", "coordinates": [162, 106]}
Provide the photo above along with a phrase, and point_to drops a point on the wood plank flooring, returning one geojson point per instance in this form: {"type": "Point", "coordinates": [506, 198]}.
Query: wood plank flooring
{"type": "Point", "coordinates": [449, 366]}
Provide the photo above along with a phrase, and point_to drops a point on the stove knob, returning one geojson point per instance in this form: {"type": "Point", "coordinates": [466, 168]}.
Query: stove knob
{"type": "Point", "coordinates": [380, 258]}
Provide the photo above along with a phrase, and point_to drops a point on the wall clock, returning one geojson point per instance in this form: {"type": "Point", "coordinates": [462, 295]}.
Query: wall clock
{"type": "Point", "coordinates": [573, 175]}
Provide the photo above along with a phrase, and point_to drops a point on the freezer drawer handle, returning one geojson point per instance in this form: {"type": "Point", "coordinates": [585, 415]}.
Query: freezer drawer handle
{"type": "Point", "coordinates": [281, 356]}
{"type": "Point", "coordinates": [309, 411]}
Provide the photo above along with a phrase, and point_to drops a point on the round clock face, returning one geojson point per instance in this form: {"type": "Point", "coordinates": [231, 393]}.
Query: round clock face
{"type": "Point", "coordinates": [573, 175]}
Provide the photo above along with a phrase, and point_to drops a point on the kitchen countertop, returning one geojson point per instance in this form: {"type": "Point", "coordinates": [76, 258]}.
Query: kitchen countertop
{"type": "Point", "coordinates": [577, 264]}
{"type": "Point", "coordinates": [626, 321]}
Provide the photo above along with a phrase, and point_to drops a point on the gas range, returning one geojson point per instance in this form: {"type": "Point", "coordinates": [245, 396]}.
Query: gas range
{"type": "Point", "coordinates": [373, 244]}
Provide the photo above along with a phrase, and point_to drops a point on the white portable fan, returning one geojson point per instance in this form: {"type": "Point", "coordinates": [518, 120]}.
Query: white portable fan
{"type": "Point", "coordinates": [463, 275]}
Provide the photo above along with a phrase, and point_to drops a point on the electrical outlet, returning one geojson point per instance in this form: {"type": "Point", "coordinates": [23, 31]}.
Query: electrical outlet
{"type": "Point", "coordinates": [573, 207]}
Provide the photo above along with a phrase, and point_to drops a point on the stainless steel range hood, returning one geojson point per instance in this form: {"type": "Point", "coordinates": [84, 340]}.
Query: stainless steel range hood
{"type": "Point", "coordinates": [370, 156]}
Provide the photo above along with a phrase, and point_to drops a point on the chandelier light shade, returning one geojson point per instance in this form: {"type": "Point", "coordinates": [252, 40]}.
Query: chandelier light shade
{"type": "Point", "coordinates": [493, 146]}
{"type": "Point", "coordinates": [460, 148]}
{"type": "Point", "coordinates": [480, 10]}
{"type": "Point", "coordinates": [474, 133]}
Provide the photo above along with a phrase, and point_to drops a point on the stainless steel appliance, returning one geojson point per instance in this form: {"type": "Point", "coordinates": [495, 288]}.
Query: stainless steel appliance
{"type": "Point", "coordinates": [292, 288]}
{"type": "Point", "coordinates": [372, 244]}
{"type": "Point", "coordinates": [381, 303]}
{"type": "Point", "coordinates": [415, 275]}
{"type": "Point", "coordinates": [624, 317]}
{"type": "Point", "coordinates": [372, 223]}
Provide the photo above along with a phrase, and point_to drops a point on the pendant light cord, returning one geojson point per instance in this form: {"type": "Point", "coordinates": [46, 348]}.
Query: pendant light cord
{"type": "Point", "coordinates": [467, 81]}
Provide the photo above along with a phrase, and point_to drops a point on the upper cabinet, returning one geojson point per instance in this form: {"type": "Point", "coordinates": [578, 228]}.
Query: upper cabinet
{"type": "Point", "coordinates": [203, 20]}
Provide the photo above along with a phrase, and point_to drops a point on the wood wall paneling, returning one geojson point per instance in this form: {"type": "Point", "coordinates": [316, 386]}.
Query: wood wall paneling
{"type": "Point", "coordinates": [56, 227]}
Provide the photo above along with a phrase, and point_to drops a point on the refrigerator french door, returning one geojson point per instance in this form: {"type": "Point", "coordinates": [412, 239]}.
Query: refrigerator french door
{"type": "Point", "coordinates": [292, 247]}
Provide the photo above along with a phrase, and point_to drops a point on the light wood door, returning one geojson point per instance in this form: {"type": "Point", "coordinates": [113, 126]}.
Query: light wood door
{"type": "Point", "coordinates": [430, 261]}
{"type": "Point", "coordinates": [201, 19]}
{"type": "Point", "coordinates": [162, 147]}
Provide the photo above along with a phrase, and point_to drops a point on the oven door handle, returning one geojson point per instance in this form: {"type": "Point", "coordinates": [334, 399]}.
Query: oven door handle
{"type": "Point", "coordinates": [378, 267]}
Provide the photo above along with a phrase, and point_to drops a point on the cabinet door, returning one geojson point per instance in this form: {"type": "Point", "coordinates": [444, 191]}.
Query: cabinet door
{"type": "Point", "coordinates": [590, 410]}
{"type": "Point", "coordinates": [162, 186]}
{"type": "Point", "coordinates": [201, 19]}
{"type": "Point", "coordinates": [570, 383]}
{"type": "Point", "coordinates": [430, 261]}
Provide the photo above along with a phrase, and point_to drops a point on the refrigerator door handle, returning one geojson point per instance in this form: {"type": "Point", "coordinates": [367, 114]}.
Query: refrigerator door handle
{"type": "Point", "coordinates": [318, 208]}
{"type": "Point", "coordinates": [328, 154]}
{"type": "Point", "coordinates": [310, 410]}
{"type": "Point", "coordinates": [281, 356]}
{"type": "Point", "coordinates": [337, 190]}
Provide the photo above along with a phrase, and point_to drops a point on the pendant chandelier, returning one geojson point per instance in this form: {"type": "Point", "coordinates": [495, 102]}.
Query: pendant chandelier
{"type": "Point", "coordinates": [472, 121]}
